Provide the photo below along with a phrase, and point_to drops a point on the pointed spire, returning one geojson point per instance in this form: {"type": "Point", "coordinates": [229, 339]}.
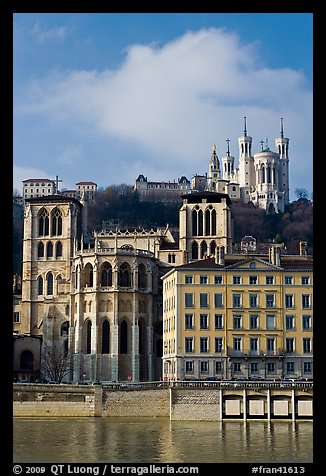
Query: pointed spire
{"type": "Point", "coordinates": [245, 126]}
{"type": "Point", "coordinates": [282, 130]}
{"type": "Point", "coordinates": [228, 150]}
{"type": "Point", "coordinates": [262, 144]}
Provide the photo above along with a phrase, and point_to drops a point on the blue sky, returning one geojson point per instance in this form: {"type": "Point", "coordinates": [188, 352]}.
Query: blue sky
{"type": "Point", "coordinates": [105, 97]}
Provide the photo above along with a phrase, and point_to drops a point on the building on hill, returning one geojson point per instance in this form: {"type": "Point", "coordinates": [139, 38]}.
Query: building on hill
{"type": "Point", "coordinates": [162, 191]}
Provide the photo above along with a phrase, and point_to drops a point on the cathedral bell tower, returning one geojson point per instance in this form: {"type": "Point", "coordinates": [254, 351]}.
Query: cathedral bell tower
{"type": "Point", "coordinates": [246, 164]}
{"type": "Point", "coordinates": [214, 172]}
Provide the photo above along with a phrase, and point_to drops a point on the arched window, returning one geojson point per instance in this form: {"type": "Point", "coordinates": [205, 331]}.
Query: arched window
{"type": "Point", "coordinates": [58, 252]}
{"type": "Point", "coordinates": [26, 360]}
{"type": "Point", "coordinates": [106, 275]}
{"type": "Point", "coordinates": [194, 223]}
{"type": "Point", "coordinates": [194, 250]}
{"type": "Point", "coordinates": [124, 275]}
{"type": "Point", "coordinates": [88, 336]}
{"type": "Point", "coordinates": [40, 250]}
{"type": "Point", "coordinates": [207, 222]}
{"type": "Point", "coordinates": [88, 275]}
{"type": "Point", "coordinates": [213, 247]}
{"type": "Point", "coordinates": [262, 174]}
{"type": "Point", "coordinates": [64, 329]}
{"type": "Point", "coordinates": [43, 223]}
{"type": "Point", "coordinates": [49, 250]}
{"type": "Point", "coordinates": [142, 278]}
{"type": "Point", "coordinates": [56, 222]}
{"type": "Point", "coordinates": [213, 218]}
{"type": "Point", "coordinates": [142, 329]}
{"type": "Point", "coordinates": [49, 288]}
{"type": "Point", "coordinates": [200, 223]}
{"type": "Point", "coordinates": [40, 285]}
{"type": "Point", "coordinates": [123, 337]}
{"type": "Point", "coordinates": [268, 174]}
{"type": "Point", "coordinates": [106, 337]}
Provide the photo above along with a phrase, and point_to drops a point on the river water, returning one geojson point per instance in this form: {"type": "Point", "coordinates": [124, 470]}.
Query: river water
{"type": "Point", "coordinates": [159, 440]}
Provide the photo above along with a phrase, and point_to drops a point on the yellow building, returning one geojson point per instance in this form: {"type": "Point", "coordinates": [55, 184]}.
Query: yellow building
{"type": "Point", "coordinates": [239, 316]}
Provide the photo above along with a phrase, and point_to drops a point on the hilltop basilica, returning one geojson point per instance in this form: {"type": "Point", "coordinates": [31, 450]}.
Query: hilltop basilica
{"type": "Point", "coordinates": [261, 178]}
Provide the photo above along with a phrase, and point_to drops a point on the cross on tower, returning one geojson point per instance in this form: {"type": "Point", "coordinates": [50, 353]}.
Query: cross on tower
{"type": "Point", "coordinates": [57, 180]}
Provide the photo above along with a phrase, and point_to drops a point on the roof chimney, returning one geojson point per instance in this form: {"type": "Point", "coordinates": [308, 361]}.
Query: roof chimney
{"type": "Point", "coordinates": [303, 248]}
{"type": "Point", "coordinates": [275, 254]}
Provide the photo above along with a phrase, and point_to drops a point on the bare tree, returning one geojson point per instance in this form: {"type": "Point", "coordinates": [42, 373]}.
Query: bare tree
{"type": "Point", "coordinates": [56, 363]}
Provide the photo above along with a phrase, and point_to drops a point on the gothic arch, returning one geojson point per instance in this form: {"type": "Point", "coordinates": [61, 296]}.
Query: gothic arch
{"type": "Point", "coordinates": [88, 336]}
{"type": "Point", "coordinates": [203, 249]}
{"type": "Point", "coordinates": [49, 249]}
{"type": "Point", "coordinates": [43, 222]}
{"type": "Point", "coordinates": [194, 250]}
{"type": "Point", "coordinates": [49, 284]}
{"type": "Point", "coordinates": [58, 250]}
{"type": "Point", "coordinates": [40, 284]}
{"type": "Point", "coordinates": [40, 250]}
{"type": "Point", "coordinates": [106, 274]}
{"type": "Point", "coordinates": [56, 222]}
{"type": "Point", "coordinates": [124, 277]}
{"type": "Point", "coordinates": [123, 337]}
{"type": "Point", "coordinates": [88, 275]}
{"type": "Point", "coordinates": [64, 331]}
{"type": "Point", "coordinates": [142, 277]}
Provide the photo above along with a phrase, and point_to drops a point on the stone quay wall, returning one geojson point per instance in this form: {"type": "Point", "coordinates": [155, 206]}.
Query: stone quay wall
{"type": "Point", "coordinates": [175, 401]}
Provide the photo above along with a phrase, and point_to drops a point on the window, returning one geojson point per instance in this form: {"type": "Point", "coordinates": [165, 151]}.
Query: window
{"type": "Point", "coordinates": [237, 344]}
{"type": "Point", "coordinates": [290, 367]}
{"type": "Point", "coordinates": [253, 280]}
{"type": "Point", "coordinates": [203, 280]}
{"type": "Point", "coordinates": [270, 321]}
{"type": "Point", "coordinates": [49, 250]}
{"type": "Point", "coordinates": [49, 288]}
{"type": "Point", "coordinates": [253, 367]}
{"type": "Point", "coordinates": [40, 286]}
{"type": "Point", "coordinates": [189, 279]}
{"type": "Point", "coordinates": [289, 302]}
{"type": "Point", "coordinates": [189, 366]}
{"type": "Point", "coordinates": [40, 250]}
{"type": "Point", "coordinates": [204, 321]}
{"type": "Point", "coordinates": [218, 321]}
{"type": "Point", "coordinates": [288, 279]}
{"type": "Point", "coordinates": [218, 280]}
{"type": "Point", "coordinates": [189, 300]}
{"type": "Point", "coordinates": [204, 344]}
{"type": "Point", "coordinates": [218, 367]}
{"type": "Point", "coordinates": [16, 318]}
{"type": "Point", "coordinates": [203, 300]}
{"type": "Point", "coordinates": [289, 344]}
{"type": "Point", "coordinates": [58, 249]}
{"type": "Point", "coordinates": [142, 276]}
{"type": "Point", "coordinates": [171, 258]}
{"type": "Point", "coordinates": [270, 344]}
{"type": "Point", "coordinates": [269, 279]}
{"type": "Point", "coordinates": [307, 367]}
{"type": "Point", "coordinates": [236, 279]}
{"type": "Point", "coordinates": [106, 337]}
{"type": "Point", "coordinates": [253, 321]}
{"type": "Point", "coordinates": [306, 323]}
{"type": "Point", "coordinates": [305, 301]}
{"type": "Point", "coordinates": [253, 300]}
{"type": "Point", "coordinates": [124, 277]}
{"type": "Point", "coordinates": [218, 300]}
{"type": "Point", "coordinates": [305, 280]}
{"type": "Point", "coordinates": [270, 367]}
{"type": "Point", "coordinates": [289, 323]}
{"type": "Point", "coordinates": [106, 275]}
{"type": "Point", "coordinates": [236, 367]}
{"type": "Point", "coordinates": [204, 366]}
{"type": "Point", "coordinates": [189, 324]}
{"type": "Point", "coordinates": [306, 344]}
{"type": "Point", "coordinates": [253, 344]}
{"type": "Point", "coordinates": [56, 222]}
{"type": "Point", "coordinates": [237, 324]}
{"type": "Point", "coordinates": [218, 344]}
{"type": "Point", "coordinates": [123, 337]}
{"type": "Point", "coordinates": [43, 223]}
{"type": "Point", "coordinates": [236, 298]}
{"type": "Point", "coordinates": [270, 300]}
{"type": "Point", "coordinates": [189, 344]}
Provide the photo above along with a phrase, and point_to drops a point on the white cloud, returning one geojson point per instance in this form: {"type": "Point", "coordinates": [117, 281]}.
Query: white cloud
{"type": "Point", "coordinates": [43, 34]}
{"type": "Point", "coordinates": [174, 101]}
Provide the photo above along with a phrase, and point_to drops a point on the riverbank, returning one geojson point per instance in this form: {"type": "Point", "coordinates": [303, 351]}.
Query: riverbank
{"type": "Point", "coordinates": [212, 401]}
